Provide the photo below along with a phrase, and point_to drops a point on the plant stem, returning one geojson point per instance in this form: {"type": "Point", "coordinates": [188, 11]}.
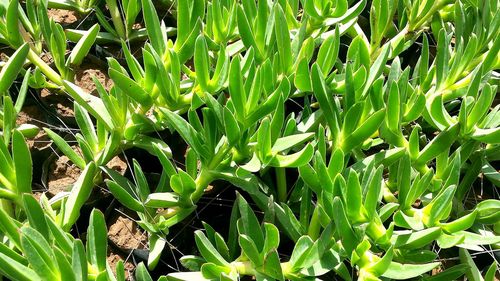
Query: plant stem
{"type": "Point", "coordinates": [436, 7]}
{"type": "Point", "coordinates": [114, 10]}
{"type": "Point", "coordinates": [6, 205]}
{"type": "Point", "coordinates": [244, 268]}
{"type": "Point", "coordinates": [281, 184]}
{"type": "Point", "coordinates": [202, 181]}
{"type": "Point", "coordinates": [45, 68]}
{"type": "Point", "coordinates": [314, 225]}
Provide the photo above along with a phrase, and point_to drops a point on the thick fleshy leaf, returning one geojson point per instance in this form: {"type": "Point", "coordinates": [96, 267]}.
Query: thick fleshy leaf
{"type": "Point", "coordinates": [399, 271]}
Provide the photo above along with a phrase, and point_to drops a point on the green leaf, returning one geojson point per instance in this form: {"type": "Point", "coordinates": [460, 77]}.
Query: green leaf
{"type": "Point", "coordinates": [393, 108]}
{"type": "Point", "coordinates": [16, 271]}
{"type": "Point", "coordinates": [249, 224]}
{"type": "Point", "coordinates": [132, 63]}
{"type": "Point", "coordinates": [374, 192]}
{"type": "Point", "coordinates": [328, 52]}
{"type": "Point", "coordinates": [35, 215]}
{"type": "Point", "coordinates": [182, 183]}
{"type": "Point", "coordinates": [363, 132]}
{"type": "Point", "coordinates": [83, 46]}
{"type": "Point", "coordinates": [65, 270]}
{"type": "Point", "coordinates": [162, 200]}
{"type": "Point", "coordinates": [7, 251]}
{"type": "Point", "coordinates": [79, 260]}
{"type": "Point", "coordinates": [267, 107]}
{"type": "Point", "coordinates": [452, 273]}
{"type": "Point", "coordinates": [39, 253]}
{"type": "Point", "coordinates": [236, 88]}
{"type": "Point", "coordinates": [354, 198]}
{"type": "Point", "coordinates": [245, 30]}
{"type": "Point", "coordinates": [402, 220]}
{"type": "Point", "coordinates": [79, 194]}
{"type": "Point", "coordinates": [140, 181]}
{"type": "Point", "coordinates": [418, 239]}
{"type": "Point", "coordinates": [302, 78]}
{"type": "Point", "coordinates": [439, 144]}
{"type": "Point", "coordinates": [272, 237]}
{"type": "Point", "coordinates": [250, 250]}
{"type": "Point", "coordinates": [480, 108]}
{"type": "Point", "coordinates": [404, 177]}
{"type": "Point", "coordinates": [86, 126]}
{"type": "Point", "coordinates": [293, 160]}
{"type": "Point", "coordinates": [383, 264]}
{"type": "Point", "coordinates": [473, 272]}
{"type": "Point", "coordinates": [461, 223]}
{"type": "Point", "coordinates": [439, 208]}
{"type": "Point", "coordinates": [490, 274]}
{"type": "Point", "coordinates": [487, 135]}
{"type": "Point", "coordinates": [376, 69]}
{"type": "Point", "coordinates": [300, 254]}
{"type": "Point", "coordinates": [272, 265]}
{"type": "Point", "coordinates": [141, 273]}
{"type": "Point", "coordinates": [22, 162]}
{"type": "Point", "coordinates": [155, 34]}
{"type": "Point", "coordinates": [97, 240]}
{"type": "Point", "coordinates": [350, 239]}
{"type": "Point", "coordinates": [156, 245]}
{"type": "Point", "coordinates": [213, 272]}
{"type": "Point", "coordinates": [325, 100]}
{"type": "Point", "coordinates": [283, 40]}
{"type": "Point", "coordinates": [351, 118]}
{"type": "Point", "coordinates": [187, 132]}
{"type": "Point", "coordinates": [191, 262]}
{"type": "Point", "coordinates": [473, 239]}
{"type": "Point", "coordinates": [222, 246]}
{"type": "Point", "coordinates": [231, 127]}
{"type": "Point", "coordinates": [130, 88]}
{"type": "Point", "coordinates": [207, 250]}
{"type": "Point", "coordinates": [446, 241]}
{"type": "Point", "coordinates": [15, 63]}
{"type": "Point", "coordinates": [92, 104]}
{"type": "Point", "coordinates": [123, 196]}
{"type": "Point", "coordinates": [201, 63]}
{"type": "Point", "coordinates": [400, 271]}
{"type": "Point", "coordinates": [488, 211]}
{"type": "Point", "coordinates": [12, 24]}
{"type": "Point", "coordinates": [442, 59]}
{"type": "Point", "coordinates": [162, 154]}
{"type": "Point", "coordinates": [253, 165]}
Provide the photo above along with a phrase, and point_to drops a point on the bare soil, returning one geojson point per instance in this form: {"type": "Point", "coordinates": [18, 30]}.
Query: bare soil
{"type": "Point", "coordinates": [113, 259]}
{"type": "Point", "coordinates": [62, 174]}
{"type": "Point", "coordinates": [61, 104]}
{"type": "Point", "coordinates": [84, 74]}
{"type": "Point", "coordinates": [63, 17]}
{"type": "Point", "coordinates": [118, 164]}
{"type": "Point", "coordinates": [126, 234]}
{"type": "Point", "coordinates": [34, 115]}
{"type": "Point", "coordinates": [5, 53]}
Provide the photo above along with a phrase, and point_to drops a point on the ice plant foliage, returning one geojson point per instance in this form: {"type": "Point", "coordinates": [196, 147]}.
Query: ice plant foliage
{"type": "Point", "coordinates": [357, 136]}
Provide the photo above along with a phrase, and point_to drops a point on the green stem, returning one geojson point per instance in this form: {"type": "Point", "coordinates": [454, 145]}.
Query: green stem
{"type": "Point", "coordinates": [244, 268]}
{"type": "Point", "coordinates": [424, 18]}
{"type": "Point", "coordinates": [314, 225]}
{"type": "Point", "coordinates": [45, 68]}
{"type": "Point", "coordinates": [202, 181]}
{"type": "Point", "coordinates": [281, 184]}
{"type": "Point", "coordinates": [6, 205]}
{"type": "Point", "coordinates": [114, 10]}
{"type": "Point", "coordinates": [205, 177]}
